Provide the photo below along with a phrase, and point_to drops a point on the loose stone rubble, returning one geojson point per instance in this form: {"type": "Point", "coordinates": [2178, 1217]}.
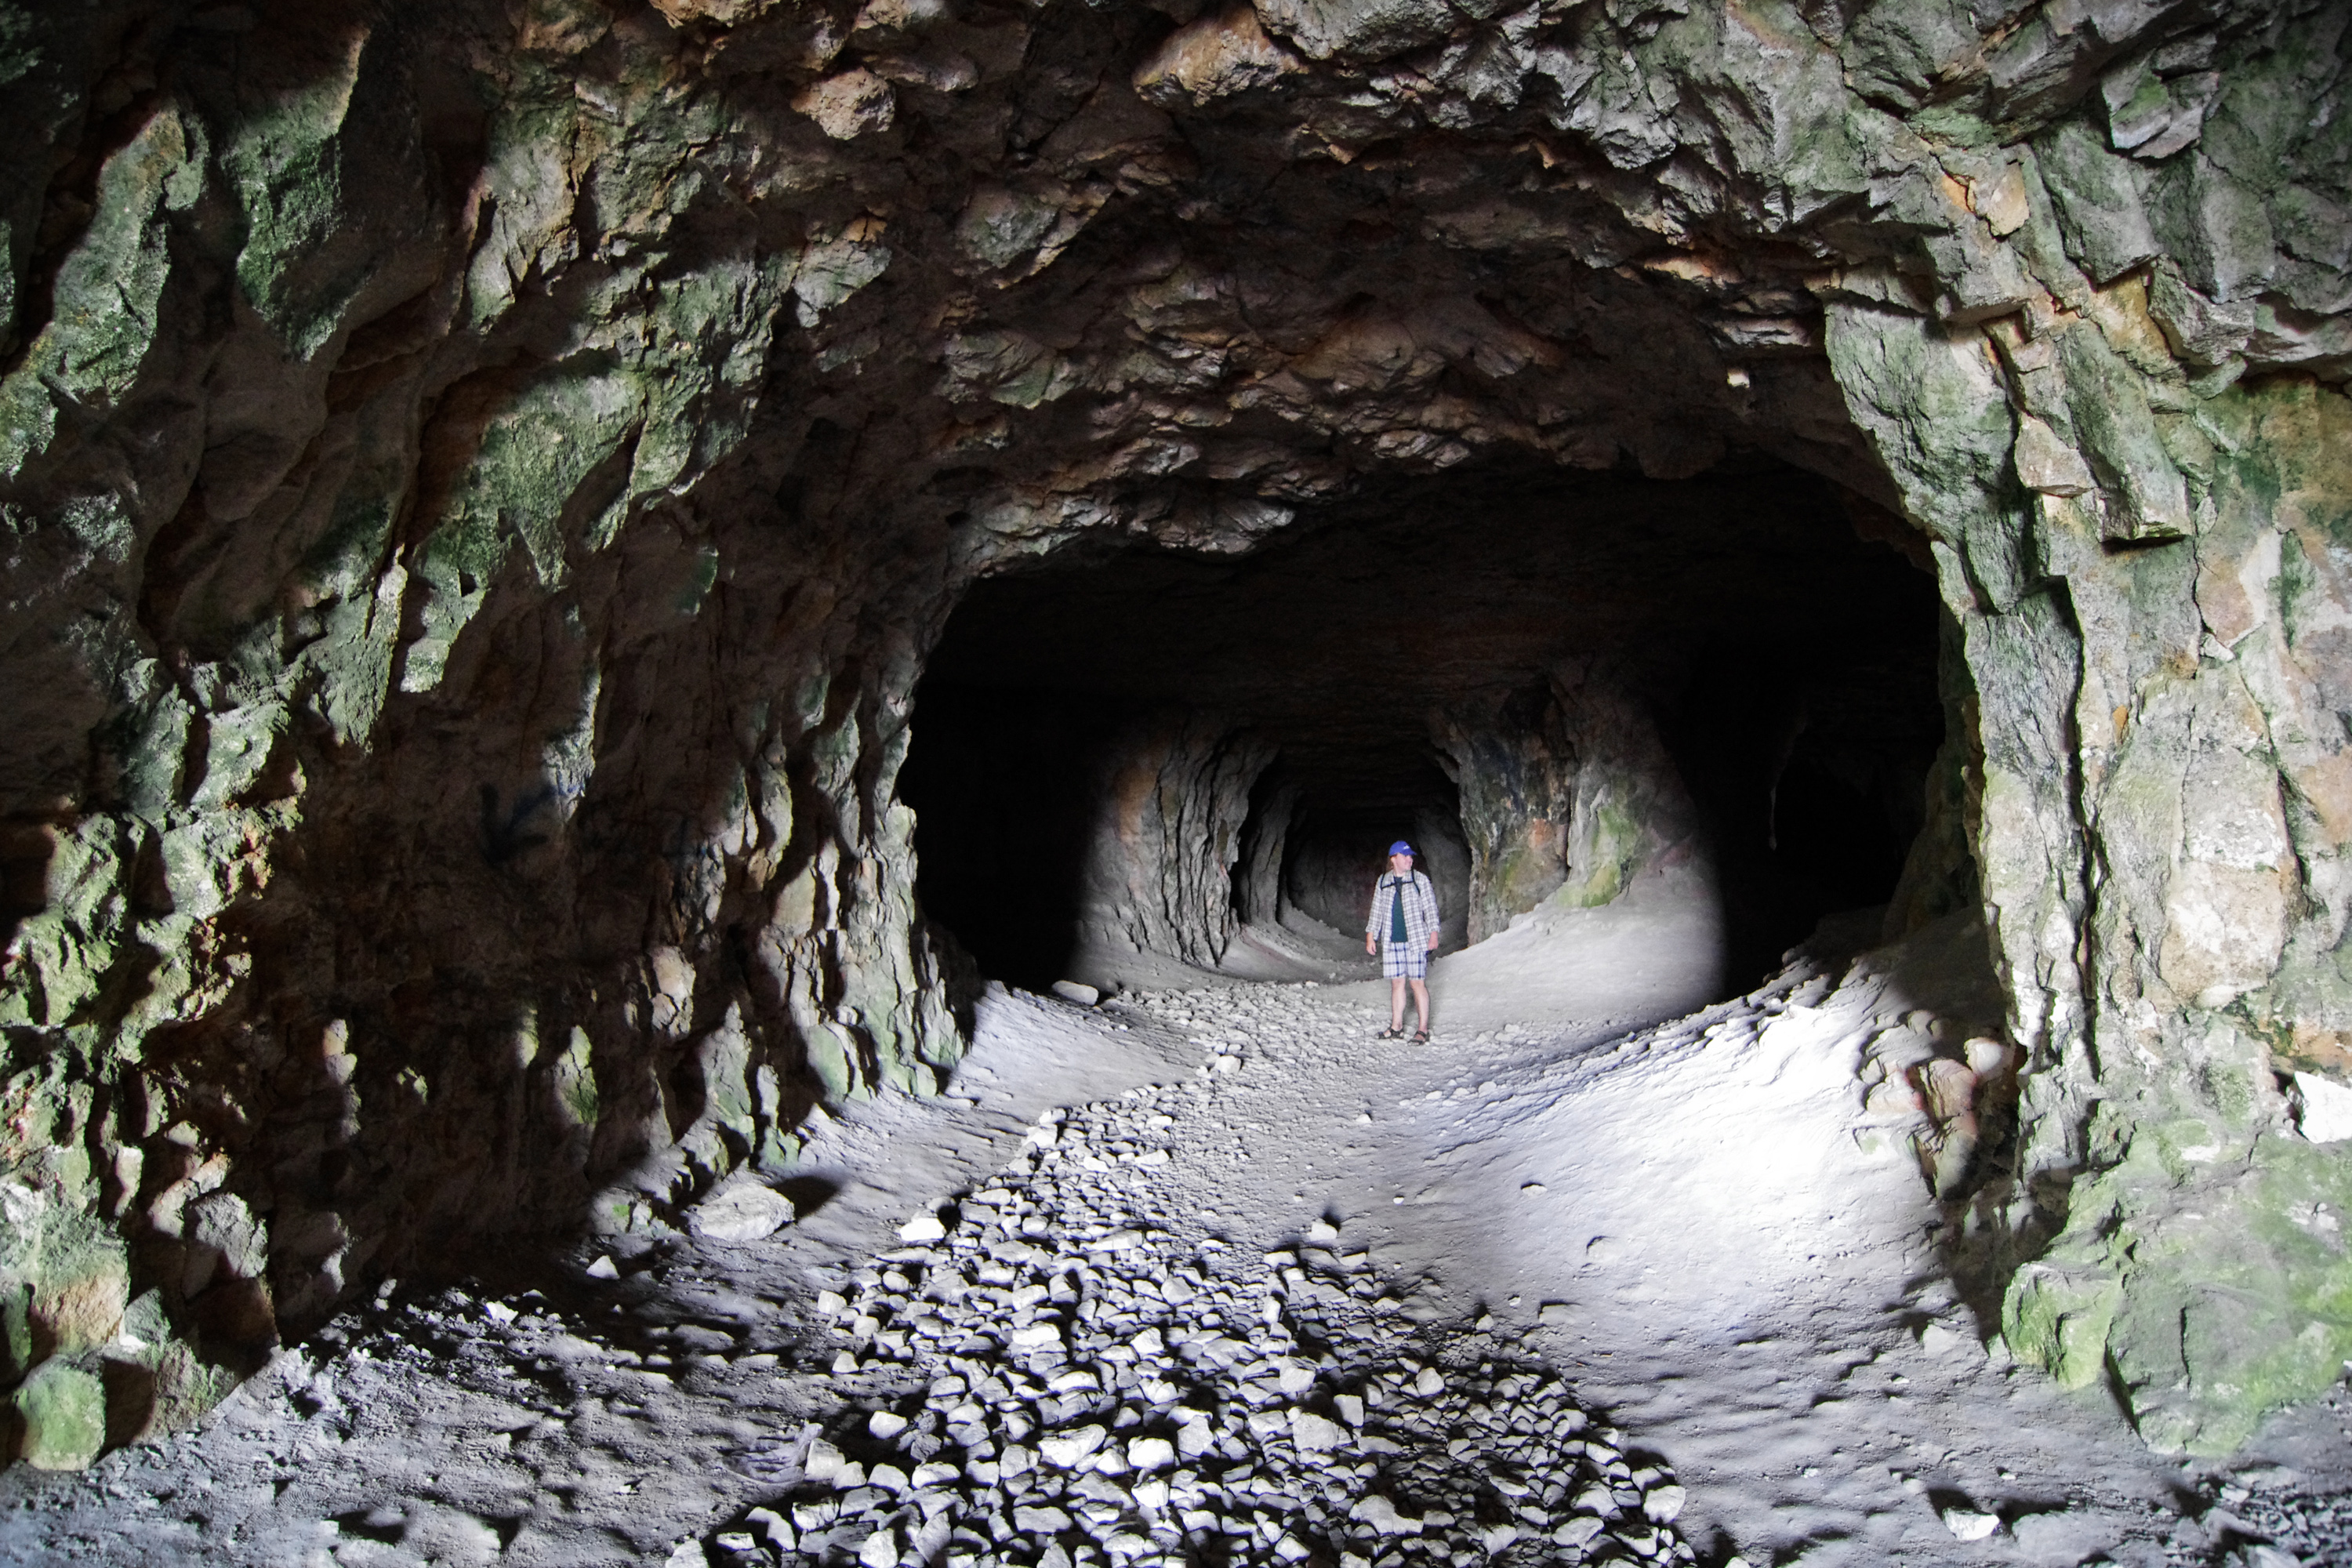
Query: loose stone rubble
{"type": "Point", "coordinates": [1136, 1396]}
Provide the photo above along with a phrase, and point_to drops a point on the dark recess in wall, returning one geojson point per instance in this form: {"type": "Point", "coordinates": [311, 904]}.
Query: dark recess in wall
{"type": "Point", "coordinates": [1003, 785]}
{"type": "Point", "coordinates": [1789, 664]}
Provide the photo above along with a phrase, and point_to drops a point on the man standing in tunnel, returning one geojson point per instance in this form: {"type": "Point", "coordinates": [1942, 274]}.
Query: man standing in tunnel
{"type": "Point", "coordinates": [1404, 930]}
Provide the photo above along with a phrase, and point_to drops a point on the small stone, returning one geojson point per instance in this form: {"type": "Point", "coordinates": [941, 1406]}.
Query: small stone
{"type": "Point", "coordinates": [886, 1424]}
{"type": "Point", "coordinates": [1577, 1532]}
{"type": "Point", "coordinates": [1066, 1448]}
{"type": "Point", "coordinates": [1314, 1435]}
{"type": "Point", "coordinates": [604, 1269]}
{"type": "Point", "coordinates": [1150, 1453]}
{"type": "Point", "coordinates": [1967, 1524]}
{"type": "Point", "coordinates": [1986, 1056]}
{"type": "Point", "coordinates": [2326, 1115]}
{"type": "Point", "coordinates": [880, 1549]}
{"type": "Point", "coordinates": [1381, 1514]}
{"type": "Point", "coordinates": [773, 1529]}
{"type": "Point", "coordinates": [1663, 1504]}
{"type": "Point", "coordinates": [1076, 991]}
{"type": "Point", "coordinates": [746, 1212]}
{"type": "Point", "coordinates": [923, 1227]}
{"type": "Point", "coordinates": [1428, 1384]}
{"type": "Point", "coordinates": [1350, 1408]}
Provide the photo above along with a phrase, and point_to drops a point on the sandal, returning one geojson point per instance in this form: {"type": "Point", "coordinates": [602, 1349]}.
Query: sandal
{"type": "Point", "coordinates": [1391, 1033]}
{"type": "Point", "coordinates": [1421, 1036]}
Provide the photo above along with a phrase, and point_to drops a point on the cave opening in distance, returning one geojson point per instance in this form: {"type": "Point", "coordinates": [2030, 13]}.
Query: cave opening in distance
{"type": "Point", "coordinates": [1550, 680]}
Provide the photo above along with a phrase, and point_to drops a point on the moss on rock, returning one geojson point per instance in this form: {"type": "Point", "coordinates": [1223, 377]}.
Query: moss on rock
{"type": "Point", "coordinates": [60, 1417]}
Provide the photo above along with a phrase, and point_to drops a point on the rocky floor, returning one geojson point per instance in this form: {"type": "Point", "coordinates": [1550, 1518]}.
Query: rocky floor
{"type": "Point", "coordinates": [1209, 1276]}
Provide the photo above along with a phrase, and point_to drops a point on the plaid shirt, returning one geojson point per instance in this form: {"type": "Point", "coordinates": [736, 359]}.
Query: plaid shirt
{"type": "Point", "coordinates": [1419, 908]}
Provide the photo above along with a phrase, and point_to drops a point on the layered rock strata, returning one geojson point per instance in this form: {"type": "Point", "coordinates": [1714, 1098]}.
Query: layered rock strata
{"type": "Point", "coordinates": [480, 481]}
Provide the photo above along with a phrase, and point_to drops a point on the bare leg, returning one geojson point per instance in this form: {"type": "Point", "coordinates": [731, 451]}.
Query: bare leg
{"type": "Point", "coordinates": [1396, 1002]}
{"type": "Point", "coordinates": [1420, 1003]}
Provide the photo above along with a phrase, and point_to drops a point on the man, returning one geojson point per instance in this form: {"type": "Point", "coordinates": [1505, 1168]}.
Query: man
{"type": "Point", "coordinates": [1404, 930]}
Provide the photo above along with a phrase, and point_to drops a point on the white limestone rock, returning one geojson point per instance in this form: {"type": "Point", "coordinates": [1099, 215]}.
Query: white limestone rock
{"type": "Point", "coordinates": [2326, 1108]}
{"type": "Point", "coordinates": [1968, 1524]}
{"type": "Point", "coordinates": [744, 1212]}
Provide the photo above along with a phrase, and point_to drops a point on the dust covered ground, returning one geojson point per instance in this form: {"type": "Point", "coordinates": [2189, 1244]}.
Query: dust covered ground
{"type": "Point", "coordinates": [1208, 1274]}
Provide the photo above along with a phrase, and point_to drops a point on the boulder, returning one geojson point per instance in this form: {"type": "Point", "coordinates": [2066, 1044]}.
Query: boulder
{"type": "Point", "coordinates": [744, 1212]}
{"type": "Point", "coordinates": [60, 1417]}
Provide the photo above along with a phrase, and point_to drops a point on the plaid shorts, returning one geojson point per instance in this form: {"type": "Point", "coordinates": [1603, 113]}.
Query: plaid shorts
{"type": "Point", "coordinates": [1404, 960]}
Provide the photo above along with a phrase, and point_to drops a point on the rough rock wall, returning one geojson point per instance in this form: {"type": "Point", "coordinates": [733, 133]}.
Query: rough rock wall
{"type": "Point", "coordinates": [1266, 841]}
{"type": "Point", "coordinates": [1159, 868]}
{"type": "Point", "coordinates": [1567, 792]}
{"type": "Point", "coordinates": [478, 481]}
{"type": "Point", "coordinates": [1333, 870]}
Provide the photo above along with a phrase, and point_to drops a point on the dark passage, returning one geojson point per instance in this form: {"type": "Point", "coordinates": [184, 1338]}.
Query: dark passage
{"type": "Point", "coordinates": [1005, 785]}
{"type": "Point", "coordinates": [1788, 664]}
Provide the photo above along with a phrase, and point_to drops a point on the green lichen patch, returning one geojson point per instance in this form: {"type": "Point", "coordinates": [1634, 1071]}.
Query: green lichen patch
{"type": "Point", "coordinates": [61, 1418]}
{"type": "Point", "coordinates": [285, 168]}
{"type": "Point", "coordinates": [2209, 1296]}
{"type": "Point", "coordinates": [104, 317]}
{"type": "Point", "coordinates": [2057, 1320]}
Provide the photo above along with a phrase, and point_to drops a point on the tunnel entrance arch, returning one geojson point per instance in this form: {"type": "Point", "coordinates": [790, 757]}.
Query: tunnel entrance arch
{"type": "Point", "coordinates": [1555, 681]}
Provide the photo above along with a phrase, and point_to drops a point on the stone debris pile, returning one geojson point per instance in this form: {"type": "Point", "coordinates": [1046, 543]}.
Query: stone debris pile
{"type": "Point", "coordinates": [1948, 1090]}
{"type": "Point", "coordinates": [1079, 1380]}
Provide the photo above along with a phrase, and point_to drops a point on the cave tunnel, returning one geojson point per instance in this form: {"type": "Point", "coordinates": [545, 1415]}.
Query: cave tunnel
{"type": "Point", "coordinates": [1391, 663]}
{"type": "Point", "coordinates": [572, 572]}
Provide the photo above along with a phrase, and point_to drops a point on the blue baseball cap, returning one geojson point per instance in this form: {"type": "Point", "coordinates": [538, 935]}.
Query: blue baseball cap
{"type": "Point", "coordinates": [1400, 848]}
